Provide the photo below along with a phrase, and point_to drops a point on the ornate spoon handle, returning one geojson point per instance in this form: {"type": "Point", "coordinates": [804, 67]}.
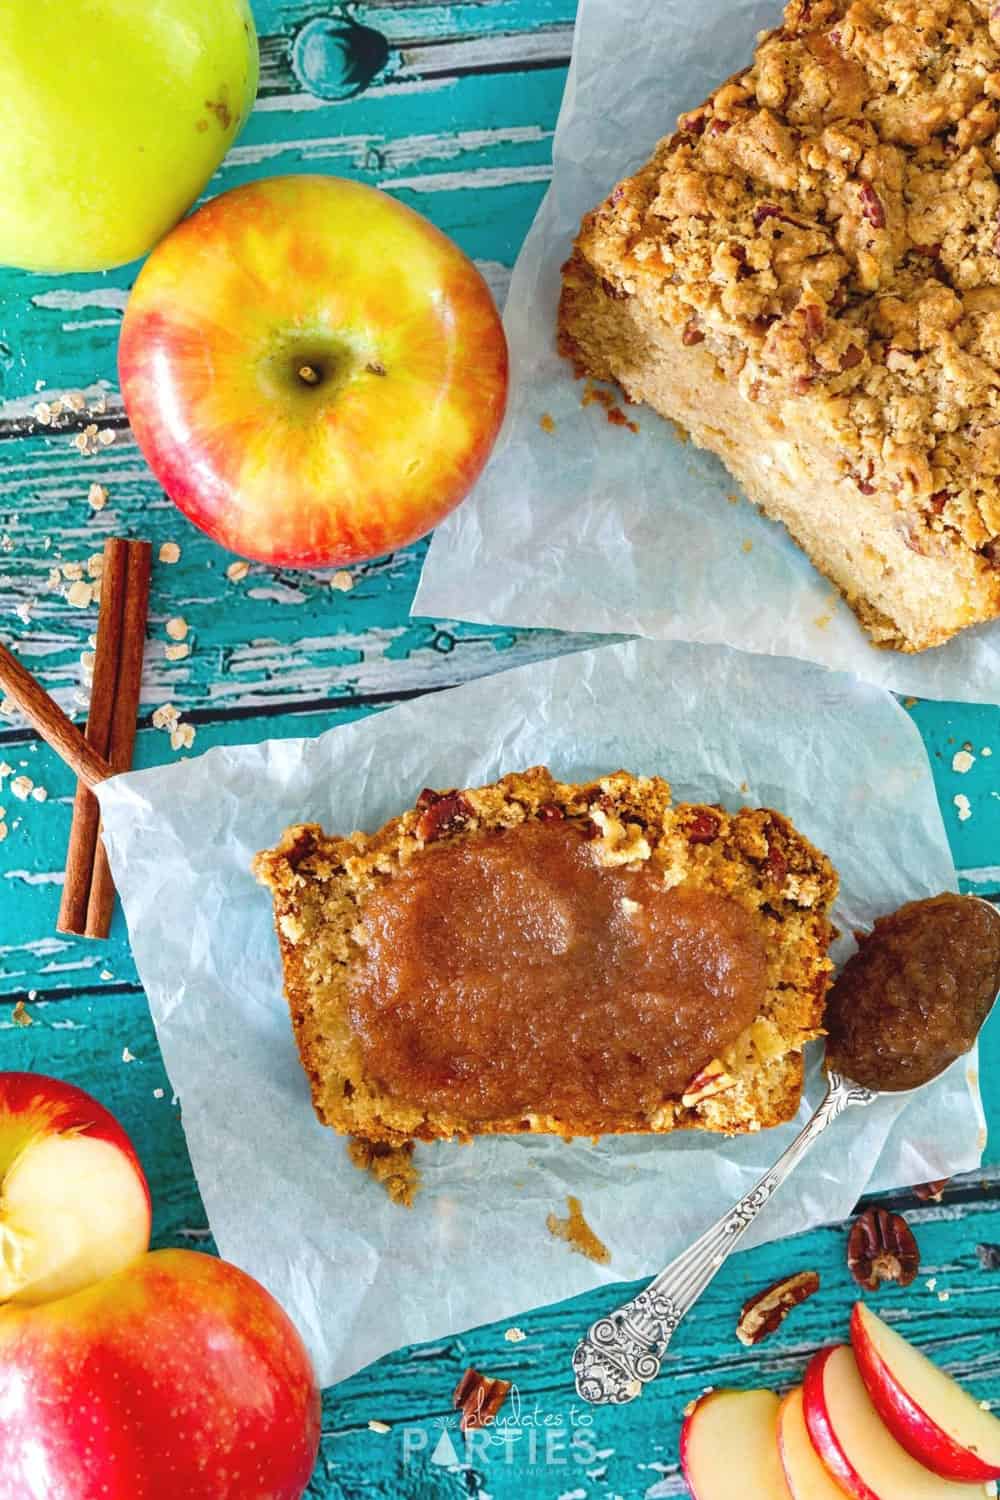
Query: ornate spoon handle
{"type": "Point", "coordinates": [623, 1352]}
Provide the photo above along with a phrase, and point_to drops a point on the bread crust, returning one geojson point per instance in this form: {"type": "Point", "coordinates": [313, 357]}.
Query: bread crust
{"type": "Point", "coordinates": [319, 885]}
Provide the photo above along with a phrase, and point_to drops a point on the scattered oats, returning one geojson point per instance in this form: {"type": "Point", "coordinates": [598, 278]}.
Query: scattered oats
{"type": "Point", "coordinates": [87, 660]}
{"type": "Point", "coordinates": [21, 787]}
{"type": "Point", "coordinates": [58, 407]}
{"type": "Point", "coordinates": [106, 974]}
{"type": "Point", "coordinates": [97, 496]}
{"type": "Point", "coordinates": [23, 611]}
{"type": "Point", "coordinates": [54, 580]}
{"type": "Point", "coordinates": [962, 761]}
{"type": "Point", "coordinates": [72, 570]}
{"type": "Point", "coordinates": [95, 565]}
{"type": "Point", "coordinates": [5, 767]}
{"type": "Point", "coordinates": [178, 652]}
{"type": "Point", "coordinates": [127, 1056]}
{"type": "Point", "coordinates": [43, 414]}
{"type": "Point", "coordinates": [515, 1335]}
{"type": "Point", "coordinates": [99, 407]}
{"type": "Point", "coordinates": [379, 1427]}
{"type": "Point", "coordinates": [157, 1093]}
{"type": "Point", "coordinates": [166, 717]}
{"type": "Point", "coordinates": [182, 738]}
{"type": "Point", "coordinates": [81, 443]}
{"type": "Point", "coordinates": [964, 807]}
{"type": "Point", "coordinates": [986, 751]}
{"type": "Point", "coordinates": [170, 552]}
{"type": "Point", "coordinates": [80, 594]}
{"type": "Point", "coordinates": [74, 401]}
{"type": "Point", "coordinates": [8, 707]}
{"type": "Point", "coordinates": [39, 794]}
{"type": "Point", "coordinates": [944, 1296]}
{"type": "Point", "coordinates": [931, 1283]}
{"type": "Point", "coordinates": [20, 1016]}
{"type": "Point", "coordinates": [342, 582]}
{"type": "Point", "coordinates": [237, 571]}
{"type": "Point", "coordinates": [177, 628]}
{"type": "Point", "coordinates": [106, 436]}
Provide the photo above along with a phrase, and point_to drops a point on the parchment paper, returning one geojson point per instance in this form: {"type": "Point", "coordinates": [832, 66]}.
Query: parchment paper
{"type": "Point", "coordinates": [358, 1274]}
{"type": "Point", "coordinates": [591, 528]}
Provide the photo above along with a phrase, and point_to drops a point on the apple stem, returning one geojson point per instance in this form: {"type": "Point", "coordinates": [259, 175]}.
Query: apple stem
{"type": "Point", "coordinates": [309, 375]}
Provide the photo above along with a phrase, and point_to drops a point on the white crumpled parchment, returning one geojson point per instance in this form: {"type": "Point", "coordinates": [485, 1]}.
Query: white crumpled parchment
{"type": "Point", "coordinates": [359, 1275]}
{"type": "Point", "coordinates": [591, 528]}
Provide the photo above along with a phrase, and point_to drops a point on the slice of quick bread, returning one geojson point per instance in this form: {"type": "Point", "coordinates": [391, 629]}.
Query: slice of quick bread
{"type": "Point", "coordinates": [358, 920]}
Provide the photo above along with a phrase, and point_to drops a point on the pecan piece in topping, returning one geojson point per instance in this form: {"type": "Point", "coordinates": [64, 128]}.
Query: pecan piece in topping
{"type": "Point", "coordinates": [872, 206]}
{"type": "Point", "coordinates": [703, 827]}
{"type": "Point", "coordinates": [713, 1079]}
{"type": "Point", "coordinates": [775, 867]}
{"type": "Point", "coordinates": [446, 815]}
{"type": "Point", "coordinates": [550, 812]}
{"type": "Point", "coordinates": [766, 1312]}
{"type": "Point", "coordinates": [881, 1247]}
{"type": "Point", "coordinates": [692, 335]}
{"type": "Point", "coordinates": [479, 1398]}
{"type": "Point", "coordinates": [851, 357]}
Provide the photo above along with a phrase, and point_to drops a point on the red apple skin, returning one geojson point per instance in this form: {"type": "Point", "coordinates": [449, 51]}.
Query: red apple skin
{"type": "Point", "coordinates": [908, 1423]}
{"type": "Point", "coordinates": [821, 1432]}
{"type": "Point", "coordinates": [178, 1379]}
{"type": "Point", "coordinates": [392, 320]}
{"type": "Point", "coordinates": [51, 1107]}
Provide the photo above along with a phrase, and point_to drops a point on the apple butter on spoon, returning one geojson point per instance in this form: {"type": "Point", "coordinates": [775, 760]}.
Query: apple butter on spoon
{"type": "Point", "coordinates": [910, 1002]}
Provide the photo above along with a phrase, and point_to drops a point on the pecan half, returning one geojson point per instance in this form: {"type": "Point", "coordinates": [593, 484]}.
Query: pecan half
{"type": "Point", "coordinates": [881, 1247]}
{"type": "Point", "coordinates": [713, 1079]}
{"type": "Point", "coordinates": [447, 814]}
{"type": "Point", "coordinates": [479, 1398]}
{"type": "Point", "coordinates": [932, 1192]}
{"type": "Point", "coordinates": [766, 1312]}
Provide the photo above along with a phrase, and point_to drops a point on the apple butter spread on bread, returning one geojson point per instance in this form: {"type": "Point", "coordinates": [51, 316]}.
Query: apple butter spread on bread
{"type": "Point", "coordinates": [568, 959]}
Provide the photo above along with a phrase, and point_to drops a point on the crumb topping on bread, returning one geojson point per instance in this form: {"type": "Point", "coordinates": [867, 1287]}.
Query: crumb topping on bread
{"type": "Point", "coordinates": [828, 223]}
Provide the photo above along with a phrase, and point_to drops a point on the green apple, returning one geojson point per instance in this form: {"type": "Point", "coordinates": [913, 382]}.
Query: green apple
{"type": "Point", "coordinates": [113, 116]}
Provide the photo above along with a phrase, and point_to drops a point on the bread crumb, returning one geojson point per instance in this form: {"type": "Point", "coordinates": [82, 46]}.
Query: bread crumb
{"type": "Point", "coordinates": [986, 751]}
{"type": "Point", "coordinates": [964, 807]}
{"type": "Point", "coordinates": [342, 581]}
{"type": "Point", "coordinates": [944, 1296]}
{"type": "Point", "coordinates": [20, 1016]}
{"type": "Point", "coordinates": [237, 571]}
{"type": "Point", "coordinates": [106, 974]}
{"type": "Point", "coordinates": [21, 787]}
{"type": "Point", "coordinates": [910, 702]}
{"type": "Point", "coordinates": [962, 762]}
{"type": "Point", "coordinates": [392, 1166]}
{"type": "Point", "coordinates": [157, 1093]}
{"type": "Point", "coordinates": [178, 652]}
{"type": "Point", "coordinates": [931, 1283]}
{"type": "Point", "coordinates": [23, 611]}
{"type": "Point", "coordinates": [747, 545]}
{"type": "Point", "coordinates": [374, 1426]}
{"type": "Point", "coordinates": [42, 414]}
{"type": "Point", "coordinates": [127, 1056]}
{"type": "Point", "coordinates": [80, 594]}
{"type": "Point", "coordinates": [547, 422]}
{"type": "Point", "coordinates": [97, 497]}
{"type": "Point", "coordinates": [177, 628]}
{"type": "Point", "coordinates": [515, 1335]}
{"type": "Point", "coordinates": [169, 552]}
{"type": "Point", "coordinates": [578, 1234]}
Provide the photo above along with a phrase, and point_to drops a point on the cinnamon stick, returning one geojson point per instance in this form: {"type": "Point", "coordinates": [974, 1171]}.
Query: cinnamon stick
{"type": "Point", "coordinates": [85, 828]}
{"type": "Point", "coordinates": [124, 717]}
{"type": "Point", "coordinates": [45, 715]}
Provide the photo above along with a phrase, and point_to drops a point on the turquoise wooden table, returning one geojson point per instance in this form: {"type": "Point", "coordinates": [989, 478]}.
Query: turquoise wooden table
{"type": "Point", "coordinates": [457, 121]}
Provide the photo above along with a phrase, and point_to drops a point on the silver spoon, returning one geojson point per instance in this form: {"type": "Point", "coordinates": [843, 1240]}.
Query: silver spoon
{"type": "Point", "coordinates": [624, 1351]}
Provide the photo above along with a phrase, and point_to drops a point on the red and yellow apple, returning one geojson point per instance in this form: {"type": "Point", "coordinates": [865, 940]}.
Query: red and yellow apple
{"type": "Point", "coordinates": [928, 1413]}
{"type": "Point", "coordinates": [179, 1378]}
{"type": "Point", "coordinates": [315, 373]}
{"type": "Point", "coordinates": [806, 1475]}
{"type": "Point", "coordinates": [74, 1204]}
{"type": "Point", "coordinates": [729, 1447]}
{"type": "Point", "coordinates": [856, 1447]}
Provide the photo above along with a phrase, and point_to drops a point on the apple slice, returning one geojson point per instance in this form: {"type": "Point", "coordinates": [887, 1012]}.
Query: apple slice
{"type": "Point", "coordinates": [729, 1446]}
{"type": "Point", "coordinates": [859, 1452]}
{"type": "Point", "coordinates": [806, 1475]}
{"type": "Point", "coordinates": [938, 1423]}
{"type": "Point", "coordinates": [74, 1204]}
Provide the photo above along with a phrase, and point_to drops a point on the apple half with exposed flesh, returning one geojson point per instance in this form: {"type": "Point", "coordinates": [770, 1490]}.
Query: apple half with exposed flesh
{"type": "Point", "coordinates": [315, 373]}
{"type": "Point", "coordinates": [74, 1204]}
{"type": "Point", "coordinates": [807, 1476]}
{"type": "Point", "coordinates": [851, 1439]}
{"type": "Point", "coordinates": [729, 1446]}
{"type": "Point", "coordinates": [938, 1423]}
